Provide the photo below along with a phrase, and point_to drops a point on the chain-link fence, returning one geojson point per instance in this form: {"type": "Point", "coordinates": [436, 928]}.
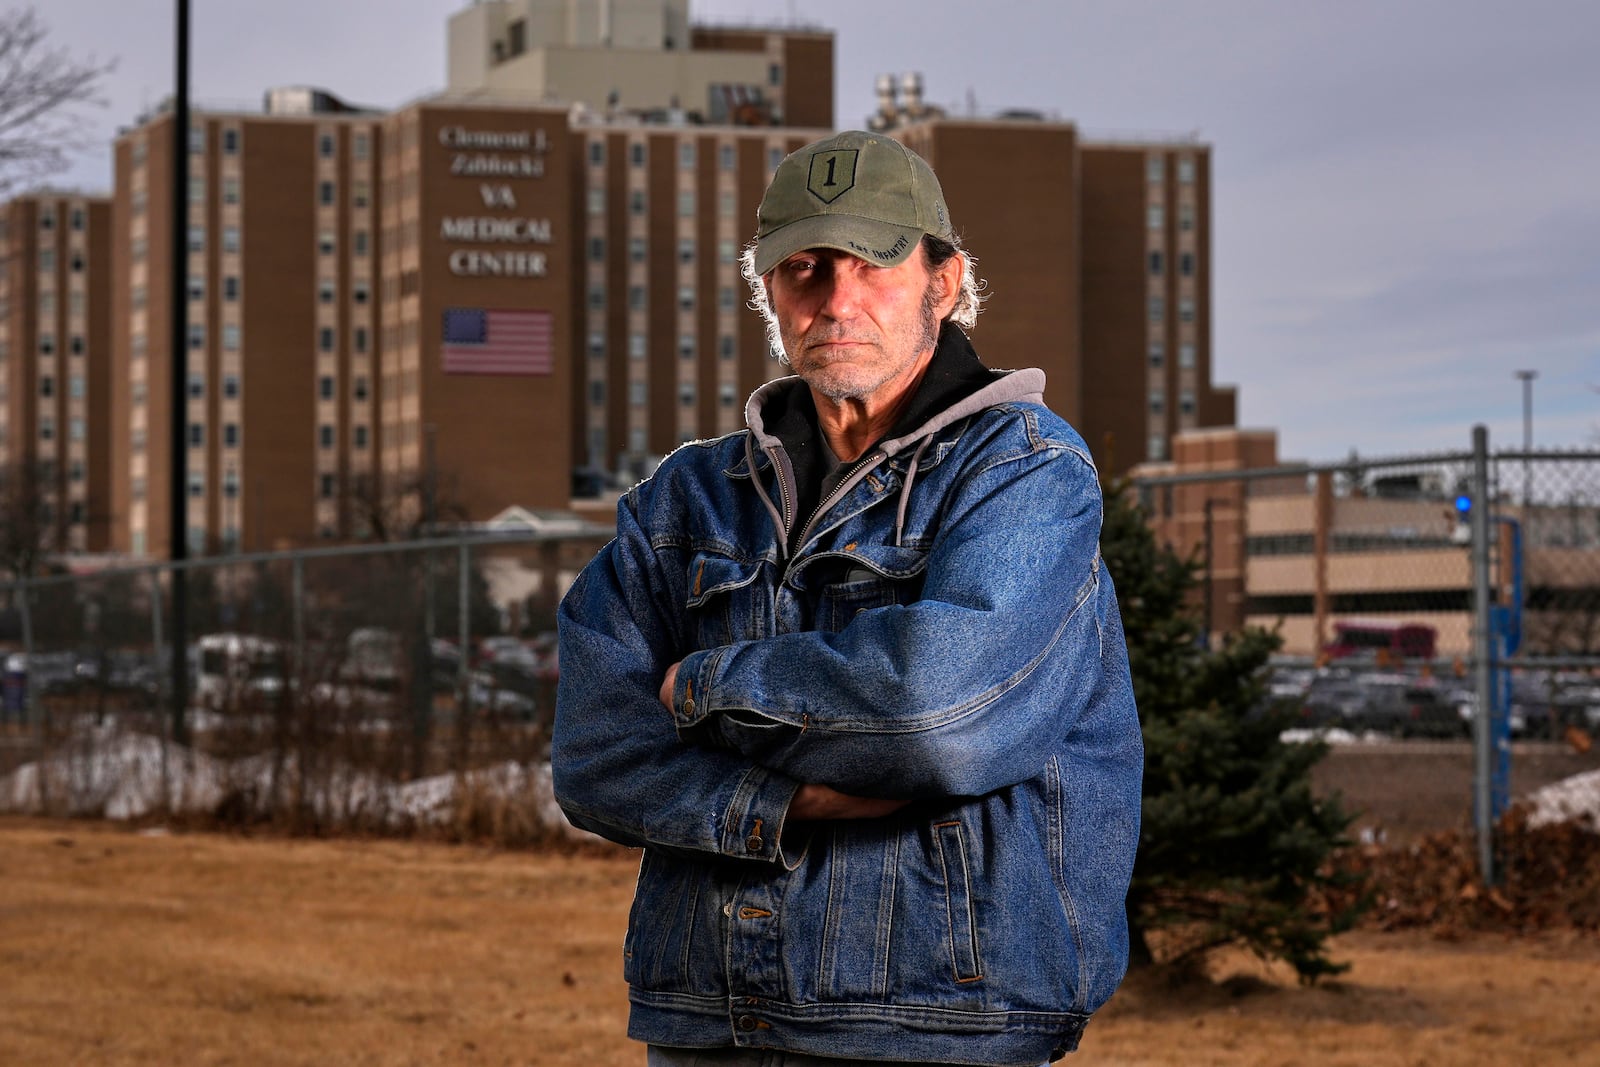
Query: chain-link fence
{"type": "Point", "coordinates": [1366, 570]}
{"type": "Point", "coordinates": [361, 687]}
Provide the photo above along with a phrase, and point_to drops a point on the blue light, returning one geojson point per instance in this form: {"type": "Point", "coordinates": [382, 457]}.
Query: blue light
{"type": "Point", "coordinates": [1464, 503]}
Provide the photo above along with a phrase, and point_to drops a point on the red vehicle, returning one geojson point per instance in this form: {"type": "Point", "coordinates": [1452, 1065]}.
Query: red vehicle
{"type": "Point", "coordinates": [1386, 640]}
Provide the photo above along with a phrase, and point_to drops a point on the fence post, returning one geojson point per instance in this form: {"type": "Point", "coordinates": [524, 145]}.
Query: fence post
{"type": "Point", "coordinates": [464, 624]}
{"type": "Point", "coordinates": [1482, 652]}
{"type": "Point", "coordinates": [297, 613]}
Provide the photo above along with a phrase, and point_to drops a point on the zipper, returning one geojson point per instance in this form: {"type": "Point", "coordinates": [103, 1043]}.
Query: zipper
{"type": "Point", "coordinates": [847, 483]}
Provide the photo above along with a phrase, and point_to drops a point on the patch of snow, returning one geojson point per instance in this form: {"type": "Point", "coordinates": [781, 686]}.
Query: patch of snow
{"type": "Point", "coordinates": [1575, 799]}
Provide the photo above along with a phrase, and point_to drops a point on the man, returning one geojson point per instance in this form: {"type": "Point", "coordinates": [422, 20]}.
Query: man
{"type": "Point", "coordinates": [855, 679]}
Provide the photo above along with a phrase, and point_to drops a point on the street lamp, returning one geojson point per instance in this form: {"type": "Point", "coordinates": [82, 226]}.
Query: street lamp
{"type": "Point", "coordinates": [1527, 377]}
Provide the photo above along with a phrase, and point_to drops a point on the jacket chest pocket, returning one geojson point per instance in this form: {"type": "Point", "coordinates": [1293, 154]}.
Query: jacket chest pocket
{"type": "Point", "coordinates": [878, 576]}
{"type": "Point", "coordinates": [721, 604]}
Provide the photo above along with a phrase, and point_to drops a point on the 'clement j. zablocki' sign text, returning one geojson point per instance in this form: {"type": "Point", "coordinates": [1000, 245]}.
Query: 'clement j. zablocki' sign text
{"type": "Point", "coordinates": [494, 153]}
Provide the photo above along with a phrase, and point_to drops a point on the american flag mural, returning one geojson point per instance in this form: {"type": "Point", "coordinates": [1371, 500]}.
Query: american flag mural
{"type": "Point", "coordinates": [490, 341]}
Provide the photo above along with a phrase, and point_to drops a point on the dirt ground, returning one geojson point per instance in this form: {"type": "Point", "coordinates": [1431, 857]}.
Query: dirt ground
{"type": "Point", "coordinates": [121, 947]}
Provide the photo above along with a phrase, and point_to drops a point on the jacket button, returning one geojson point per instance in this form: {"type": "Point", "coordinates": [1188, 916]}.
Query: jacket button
{"type": "Point", "coordinates": [752, 843]}
{"type": "Point", "coordinates": [747, 1023]}
{"type": "Point", "coordinates": [688, 707]}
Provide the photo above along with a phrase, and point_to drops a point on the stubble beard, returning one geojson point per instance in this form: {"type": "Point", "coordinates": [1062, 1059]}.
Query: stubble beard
{"type": "Point", "coordinates": [848, 383]}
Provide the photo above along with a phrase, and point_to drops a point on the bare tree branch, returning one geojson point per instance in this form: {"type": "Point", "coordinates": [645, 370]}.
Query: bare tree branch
{"type": "Point", "coordinates": [42, 93]}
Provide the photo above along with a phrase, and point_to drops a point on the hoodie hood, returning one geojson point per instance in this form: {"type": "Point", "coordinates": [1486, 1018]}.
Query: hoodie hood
{"type": "Point", "coordinates": [782, 418]}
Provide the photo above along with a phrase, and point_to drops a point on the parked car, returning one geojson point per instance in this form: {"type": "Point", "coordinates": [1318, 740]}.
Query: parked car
{"type": "Point", "coordinates": [1404, 708]}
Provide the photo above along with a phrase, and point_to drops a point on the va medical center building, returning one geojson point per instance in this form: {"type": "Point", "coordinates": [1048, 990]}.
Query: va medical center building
{"type": "Point", "coordinates": [525, 291]}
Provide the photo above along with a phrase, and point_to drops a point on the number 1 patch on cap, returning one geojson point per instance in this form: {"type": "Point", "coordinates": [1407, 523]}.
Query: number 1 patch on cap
{"type": "Point", "coordinates": [832, 174]}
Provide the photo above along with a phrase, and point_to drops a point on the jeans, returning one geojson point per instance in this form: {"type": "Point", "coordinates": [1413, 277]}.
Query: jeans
{"type": "Point", "coordinates": [661, 1056]}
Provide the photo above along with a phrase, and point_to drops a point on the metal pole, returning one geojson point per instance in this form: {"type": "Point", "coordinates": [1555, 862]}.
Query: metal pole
{"type": "Point", "coordinates": [1527, 377]}
{"type": "Point", "coordinates": [178, 305]}
{"type": "Point", "coordinates": [1209, 583]}
{"type": "Point", "coordinates": [30, 677]}
{"type": "Point", "coordinates": [298, 613]}
{"type": "Point", "coordinates": [464, 622]}
{"type": "Point", "coordinates": [1482, 731]}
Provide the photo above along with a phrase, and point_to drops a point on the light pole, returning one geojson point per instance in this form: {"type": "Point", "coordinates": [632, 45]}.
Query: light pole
{"type": "Point", "coordinates": [1527, 377]}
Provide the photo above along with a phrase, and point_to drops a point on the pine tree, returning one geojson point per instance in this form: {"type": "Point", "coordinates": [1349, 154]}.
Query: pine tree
{"type": "Point", "coordinates": [1235, 847]}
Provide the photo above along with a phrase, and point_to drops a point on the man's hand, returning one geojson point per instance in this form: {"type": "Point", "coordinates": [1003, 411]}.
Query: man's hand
{"type": "Point", "coordinates": [667, 683]}
{"type": "Point", "coordinates": [825, 802]}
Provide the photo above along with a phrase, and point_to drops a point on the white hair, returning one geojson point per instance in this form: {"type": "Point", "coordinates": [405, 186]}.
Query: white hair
{"type": "Point", "coordinates": [936, 252]}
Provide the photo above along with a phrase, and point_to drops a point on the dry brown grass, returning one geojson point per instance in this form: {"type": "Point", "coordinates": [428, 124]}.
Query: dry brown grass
{"type": "Point", "coordinates": [124, 948]}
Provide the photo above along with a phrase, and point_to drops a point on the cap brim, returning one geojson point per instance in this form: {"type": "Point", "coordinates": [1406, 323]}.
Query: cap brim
{"type": "Point", "coordinates": [883, 244]}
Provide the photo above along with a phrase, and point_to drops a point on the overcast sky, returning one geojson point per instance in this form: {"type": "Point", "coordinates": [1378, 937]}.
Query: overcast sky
{"type": "Point", "coordinates": [1406, 193]}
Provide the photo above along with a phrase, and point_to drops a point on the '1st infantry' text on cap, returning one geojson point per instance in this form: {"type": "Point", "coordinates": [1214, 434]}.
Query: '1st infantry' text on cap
{"type": "Point", "coordinates": [860, 193]}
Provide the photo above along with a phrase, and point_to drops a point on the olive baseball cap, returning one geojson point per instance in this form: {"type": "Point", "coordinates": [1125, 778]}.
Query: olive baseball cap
{"type": "Point", "coordinates": [860, 193]}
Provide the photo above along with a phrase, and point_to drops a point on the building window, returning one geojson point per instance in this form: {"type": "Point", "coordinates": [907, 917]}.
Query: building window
{"type": "Point", "coordinates": [358, 242]}
{"type": "Point", "coordinates": [230, 435]}
{"type": "Point", "coordinates": [76, 387]}
{"type": "Point", "coordinates": [197, 335]}
{"type": "Point", "coordinates": [325, 146]}
{"type": "Point", "coordinates": [47, 386]}
{"type": "Point", "coordinates": [1157, 309]}
{"type": "Point", "coordinates": [1158, 401]}
{"type": "Point", "coordinates": [325, 387]}
{"type": "Point", "coordinates": [230, 238]}
{"type": "Point", "coordinates": [197, 435]}
{"type": "Point", "coordinates": [325, 486]}
{"type": "Point", "coordinates": [636, 394]}
{"type": "Point", "coordinates": [358, 437]}
{"type": "Point", "coordinates": [1186, 264]}
{"type": "Point", "coordinates": [1186, 402]}
{"type": "Point", "coordinates": [725, 205]}
{"type": "Point", "coordinates": [325, 193]}
{"type": "Point", "coordinates": [636, 249]}
{"type": "Point", "coordinates": [47, 218]}
{"type": "Point", "coordinates": [686, 393]}
{"type": "Point", "coordinates": [325, 243]}
{"type": "Point", "coordinates": [359, 147]}
{"type": "Point", "coordinates": [1185, 170]}
{"type": "Point", "coordinates": [636, 202]}
{"type": "Point", "coordinates": [197, 191]}
{"type": "Point", "coordinates": [597, 201]}
{"type": "Point", "coordinates": [686, 155]}
{"type": "Point", "coordinates": [358, 388]}
{"type": "Point", "coordinates": [725, 298]}
{"type": "Point", "coordinates": [726, 395]}
{"type": "Point", "coordinates": [1155, 263]}
{"type": "Point", "coordinates": [197, 287]}
{"type": "Point", "coordinates": [77, 429]}
{"type": "Point", "coordinates": [686, 346]}
{"type": "Point", "coordinates": [197, 238]}
{"type": "Point", "coordinates": [358, 339]}
{"type": "Point", "coordinates": [725, 157]}
{"type": "Point", "coordinates": [230, 287]}
{"type": "Point", "coordinates": [359, 194]}
{"type": "Point", "coordinates": [1154, 169]}
{"type": "Point", "coordinates": [636, 346]}
{"type": "Point", "coordinates": [774, 74]}
{"type": "Point", "coordinates": [774, 158]}
{"type": "Point", "coordinates": [1186, 356]}
{"type": "Point", "coordinates": [597, 344]}
{"type": "Point", "coordinates": [686, 297]}
{"type": "Point", "coordinates": [230, 386]}
{"type": "Point", "coordinates": [1158, 446]}
{"type": "Point", "coordinates": [230, 336]}
{"type": "Point", "coordinates": [230, 142]}
{"type": "Point", "coordinates": [47, 344]}
{"type": "Point", "coordinates": [325, 291]}
{"type": "Point", "coordinates": [597, 152]}
{"type": "Point", "coordinates": [197, 487]}
{"type": "Point", "coordinates": [636, 297]}
{"type": "Point", "coordinates": [197, 386]}
{"type": "Point", "coordinates": [686, 250]}
{"type": "Point", "coordinates": [325, 436]}
{"type": "Point", "coordinates": [727, 251]}
{"type": "Point", "coordinates": [1185, 216]}
{"type": "Point", "coordinates": [1185, 310]}
{"type": "Point", "coordinates": [636, 153]}
{"type": "Point", "coordinates": [78, 221]}
{"type": "Point", "coordinates": [77, 263]}
{"type": "Point", "coordinates": [1157, 217]}
{"type": "Point", "coordinates": [197, 139]}
{"type": "Point", "coordinates": [597, 393]}
{"type": "Point", "coordinates": [325, 339]}
{"type": "Point", "coordinates": [725, 346]}
{"type": "Point", "coordinates": [597, 297]}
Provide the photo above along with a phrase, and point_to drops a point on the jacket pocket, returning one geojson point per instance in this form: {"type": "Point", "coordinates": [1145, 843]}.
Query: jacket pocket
{"type": "Point", "coordinates": [961, 923]}
{"type": "Point", "coordinates": [872, 576]}
{"type": "Point", "coordinates": [714, 585]}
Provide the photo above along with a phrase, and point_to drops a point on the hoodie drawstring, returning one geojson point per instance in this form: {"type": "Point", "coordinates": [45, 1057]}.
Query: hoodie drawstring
{"type": "Point", "coordinates": [905, 491]}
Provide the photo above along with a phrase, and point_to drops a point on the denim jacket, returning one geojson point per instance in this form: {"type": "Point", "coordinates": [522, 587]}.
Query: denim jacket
{"type": "Point", "coordinates": [942, 630]}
